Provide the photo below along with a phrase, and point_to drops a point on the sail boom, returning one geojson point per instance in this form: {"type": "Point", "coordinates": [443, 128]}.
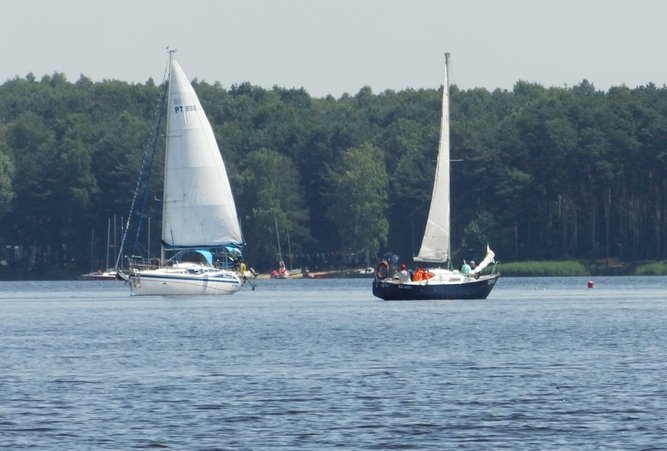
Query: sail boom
{"type": "Point", "coordinates": [429, 260]}
{"type": "Point", "coordinates": [170, 247]}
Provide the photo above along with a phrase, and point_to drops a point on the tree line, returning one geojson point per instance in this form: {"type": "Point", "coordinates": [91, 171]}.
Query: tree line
{"type": "Point", "coordinates": [539, 173]}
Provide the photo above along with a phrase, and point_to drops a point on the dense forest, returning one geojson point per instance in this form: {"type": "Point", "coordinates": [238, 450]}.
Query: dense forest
{"type": "Point", "coordinates": [539, 173]}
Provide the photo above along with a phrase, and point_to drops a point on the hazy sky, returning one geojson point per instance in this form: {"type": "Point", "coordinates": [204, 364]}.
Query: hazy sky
{"type": "Point", "coordinates": [338, 46]}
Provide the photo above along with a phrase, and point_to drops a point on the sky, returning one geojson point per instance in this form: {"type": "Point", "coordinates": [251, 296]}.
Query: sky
{"type": "Point", "coordinates": [332, 47]}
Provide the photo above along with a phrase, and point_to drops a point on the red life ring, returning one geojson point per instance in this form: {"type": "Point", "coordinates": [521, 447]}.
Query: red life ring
{"type": "Point", "coordinates": [381, 270]}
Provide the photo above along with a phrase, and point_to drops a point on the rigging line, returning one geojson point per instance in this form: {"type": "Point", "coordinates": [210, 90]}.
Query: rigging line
{"type": "Point", "coordinates": [144, 201]}
{"type": "Point", "coordinates": [150, 145]}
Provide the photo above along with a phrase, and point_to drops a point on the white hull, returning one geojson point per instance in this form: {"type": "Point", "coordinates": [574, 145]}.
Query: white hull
{"type": "Point", "coordinates": [176, 281]}
{"type": "Point", "coordinates": [198, 209]}
{"type": "Point", "coordinates": [99, 275]}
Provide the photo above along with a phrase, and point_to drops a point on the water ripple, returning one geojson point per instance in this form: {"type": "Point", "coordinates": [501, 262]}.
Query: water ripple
{"type": "Point", "coordinates": [318, 366]}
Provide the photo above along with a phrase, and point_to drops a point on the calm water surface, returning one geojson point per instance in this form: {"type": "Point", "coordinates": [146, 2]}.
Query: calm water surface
{"type": "Point", "coordinates": [319, 364]}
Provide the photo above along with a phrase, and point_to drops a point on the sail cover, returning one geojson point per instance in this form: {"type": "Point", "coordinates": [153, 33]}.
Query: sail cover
{"type": "Point", "coordinates": [435, 244]}
{"type": "Point", "coordinates": [198, 208]}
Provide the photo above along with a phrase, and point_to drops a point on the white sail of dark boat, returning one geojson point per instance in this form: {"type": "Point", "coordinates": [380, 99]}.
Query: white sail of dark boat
{"type": "Point", "coordinates": [435, 247]}
{"type": "Point", "coordinates": [438, 283]}
{"type": "Point", "coordinates": [199, 213]}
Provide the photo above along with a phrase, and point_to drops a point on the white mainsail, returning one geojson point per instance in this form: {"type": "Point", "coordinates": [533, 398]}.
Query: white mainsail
{"type": "Point", "coordinates": [435, 244]}
{"type": "Point", "coordinates": [198, 208]}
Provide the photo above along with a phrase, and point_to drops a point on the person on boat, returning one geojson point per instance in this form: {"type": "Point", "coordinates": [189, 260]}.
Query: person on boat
{"type": "Point", "coordinates": [418, 275]}
{"type": "Point", "coordinates": [403, 274]}
{"type": "Point", "coordinates": [465, 268]}
{"type": "Point", "coordinates": [392, 264]}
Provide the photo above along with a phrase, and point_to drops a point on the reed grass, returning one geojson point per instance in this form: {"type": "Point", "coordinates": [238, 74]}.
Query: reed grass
{"type": "Point", "coordinates": [543, 269]}
{"type": "Point", "coordinates": [651, 269]}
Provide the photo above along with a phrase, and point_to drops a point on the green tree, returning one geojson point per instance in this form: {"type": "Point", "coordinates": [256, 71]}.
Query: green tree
{"type": "Point", "coordinates": [6, 175]}
{"type": "Point", "coordinates": [268, 193]}
{"type": "Point", "coordinates": [357, 198]}
{"type": "Point", "coordinates": [33, 145]}
{"type": "Point", "coordinates": [410, 150]}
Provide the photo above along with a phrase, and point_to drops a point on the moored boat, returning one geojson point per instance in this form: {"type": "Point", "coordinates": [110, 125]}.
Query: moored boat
{"type": "Point", "coordinates": [109, 274]}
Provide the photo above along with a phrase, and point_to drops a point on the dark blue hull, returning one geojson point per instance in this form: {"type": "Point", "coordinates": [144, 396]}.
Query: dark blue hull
{"type": "Point", "coordinates": [475, 289]}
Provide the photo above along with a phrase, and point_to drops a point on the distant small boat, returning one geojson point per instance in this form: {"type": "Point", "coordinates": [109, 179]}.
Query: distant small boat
{"type": "Point", "coordinates": [109, 274]}
{"type": "Point", "coordinates": [317, 274]}
{"type": "Point", "coordinates": [339, 274]}
{"type": "Point", "coordinates": [366, 272]}
{"type": "Point", "coordinates": [284, 273]}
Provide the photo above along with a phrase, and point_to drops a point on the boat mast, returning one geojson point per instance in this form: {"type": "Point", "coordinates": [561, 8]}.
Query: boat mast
{"type": "Point", "coordinates": [106, 268]}
{"type": "Point", "coordinates": [280, 254]}
{"type": "Point", "coordinates": [445, 136]}
{"type": "Point", "coordinates": [164, 197]}
{"type": "Point", "coordinates": [289, 251]}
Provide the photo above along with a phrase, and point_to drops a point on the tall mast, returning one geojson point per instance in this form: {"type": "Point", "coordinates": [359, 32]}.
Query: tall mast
{"type": "Point", "coordinates": [280, 254]}
{"type": "Point", "coordinates": [446, 141]}
{"type": "Point", "coordinates": [164, 203]}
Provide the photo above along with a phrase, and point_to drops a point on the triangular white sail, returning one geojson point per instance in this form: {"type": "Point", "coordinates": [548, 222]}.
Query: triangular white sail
{"type": "Point", "coordinates": [198, 209]}
{"type": "Point", "coordinates": [435, 244]}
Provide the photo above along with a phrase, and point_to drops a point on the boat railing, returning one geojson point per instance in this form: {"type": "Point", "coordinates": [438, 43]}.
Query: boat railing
{"type": "Point", "coordinates": [143, 263]}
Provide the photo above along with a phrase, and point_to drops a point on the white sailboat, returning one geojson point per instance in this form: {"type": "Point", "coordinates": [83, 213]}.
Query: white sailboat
{"type": "Point", "coordinates": [438, 283]}
{"type": "Point", "coordinates": [199, 219]}
{"type": "Point", "coordinates": [109, 273]}
{"type": "Point", "coordinates": [282, 272]}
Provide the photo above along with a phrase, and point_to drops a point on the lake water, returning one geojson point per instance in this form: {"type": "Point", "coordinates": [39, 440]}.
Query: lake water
{"type": "Point", "coordinates": [544, 363]}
